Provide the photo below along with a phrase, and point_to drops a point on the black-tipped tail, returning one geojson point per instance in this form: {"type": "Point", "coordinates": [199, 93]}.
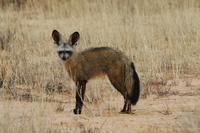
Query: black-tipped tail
{"type": "Point", "coordinates": [135, 88]}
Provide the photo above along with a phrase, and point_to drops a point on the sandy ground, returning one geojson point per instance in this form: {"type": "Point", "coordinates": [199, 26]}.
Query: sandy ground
{"type": "Point", "coordinates": [176, 110]}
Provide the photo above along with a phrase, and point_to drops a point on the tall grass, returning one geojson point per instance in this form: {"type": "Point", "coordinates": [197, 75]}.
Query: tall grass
{"type": "Point", "coordinates": [160, 36]}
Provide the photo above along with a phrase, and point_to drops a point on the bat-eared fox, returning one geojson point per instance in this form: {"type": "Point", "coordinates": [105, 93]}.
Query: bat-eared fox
{"type": "Point", "coordinates": [95, 62]}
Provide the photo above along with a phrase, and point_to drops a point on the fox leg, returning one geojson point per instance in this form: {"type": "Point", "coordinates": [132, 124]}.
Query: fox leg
{"type": "Point", "coordinates": [125, 104]}
{"type": "Point", "coordinates": [124, 108]}
{"type": "Point", "coordinates": [80, 91]}
{"type": "Point", "coordinates": [129, 107]}
{"type": "Point", "coordinates": [117, 81]}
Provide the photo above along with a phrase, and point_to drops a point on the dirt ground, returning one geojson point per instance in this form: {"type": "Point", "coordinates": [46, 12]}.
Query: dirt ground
{"type": "Point", "coordinates": [177, 109]}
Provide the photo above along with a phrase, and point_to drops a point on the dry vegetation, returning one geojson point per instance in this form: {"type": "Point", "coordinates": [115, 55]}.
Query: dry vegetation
{"type": "Point", "coordinates": [162, 37]}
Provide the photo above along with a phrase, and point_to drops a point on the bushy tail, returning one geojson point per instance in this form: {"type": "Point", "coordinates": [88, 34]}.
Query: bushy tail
{"type": "Point", "coordinates": [135, 93]}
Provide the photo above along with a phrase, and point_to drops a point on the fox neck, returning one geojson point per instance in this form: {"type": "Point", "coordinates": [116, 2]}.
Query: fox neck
{"type": "Point", "coordinates": [73, 65]}
{"type": "Point", "coordinates": [72, 62]}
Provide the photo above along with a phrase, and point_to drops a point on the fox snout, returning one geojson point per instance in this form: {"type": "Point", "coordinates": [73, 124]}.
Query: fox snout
{"type": "Point", "coordinates": [64, 55]}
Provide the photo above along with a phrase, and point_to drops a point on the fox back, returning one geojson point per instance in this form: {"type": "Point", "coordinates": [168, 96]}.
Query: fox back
{"type": "Point", "coordinates": [95, 62]}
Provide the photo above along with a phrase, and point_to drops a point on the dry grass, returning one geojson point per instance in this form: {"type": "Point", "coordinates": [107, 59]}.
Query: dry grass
{"type": "Point", "coordinates": [160, 36]}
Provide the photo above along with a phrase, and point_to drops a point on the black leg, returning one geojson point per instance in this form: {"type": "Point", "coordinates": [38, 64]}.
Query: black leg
{"type": "Point", "coordinates": [124, 108]}
{"type": "Point", "coordinates": [125, 103]}
{"type": "Point", "coordinates": [80, 91]}
{"type": "Point", "coordinates": [129, 107]}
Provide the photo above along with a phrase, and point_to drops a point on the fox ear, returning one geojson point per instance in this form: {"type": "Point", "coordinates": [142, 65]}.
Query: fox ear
{"type": "Point", "coordinates": [56, 36]}
{"type": "Point", "coordinates": [74, 38]}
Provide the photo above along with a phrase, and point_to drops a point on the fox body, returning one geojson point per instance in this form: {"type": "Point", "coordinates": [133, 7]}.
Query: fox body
{"type": "Point", "coordinates": [96, 62]}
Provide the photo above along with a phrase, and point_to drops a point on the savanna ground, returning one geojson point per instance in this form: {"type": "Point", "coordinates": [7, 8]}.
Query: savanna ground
{"type": "Point", "coordinates": [162, 37]}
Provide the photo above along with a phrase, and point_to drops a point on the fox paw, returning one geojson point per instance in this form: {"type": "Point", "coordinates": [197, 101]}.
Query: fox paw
{"type": "Point", "coordinates": [77, 111]}
{"type": "Point", "coordinates": [125, 112]}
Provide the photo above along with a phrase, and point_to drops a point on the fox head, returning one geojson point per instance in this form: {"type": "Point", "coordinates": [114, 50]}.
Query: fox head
{"type": "Point", "coordinates": [65, 49]}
